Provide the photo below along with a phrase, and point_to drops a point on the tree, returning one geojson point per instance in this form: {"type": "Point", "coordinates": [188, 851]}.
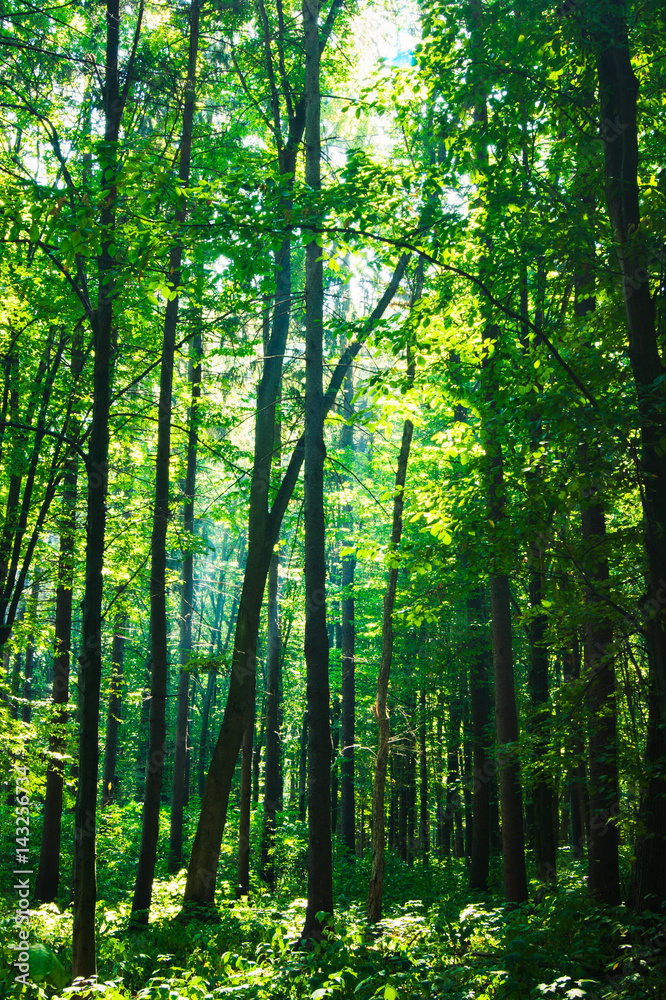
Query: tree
{"type": "Point", "coordinates": [376, 887]}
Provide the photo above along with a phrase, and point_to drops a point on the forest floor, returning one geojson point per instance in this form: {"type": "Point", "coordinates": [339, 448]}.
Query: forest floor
{"type": "Point", "coordinates": [438, 939]}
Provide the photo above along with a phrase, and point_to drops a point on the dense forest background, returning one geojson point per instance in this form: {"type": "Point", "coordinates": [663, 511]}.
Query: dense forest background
{"type": "Point", "coordinates": [333, 499]}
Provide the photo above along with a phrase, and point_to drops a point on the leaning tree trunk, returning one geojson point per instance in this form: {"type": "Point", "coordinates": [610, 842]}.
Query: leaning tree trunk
{"type": "Point", "coordinates": [264, 526]}
{"type": "Point", "coordinates": [376, 887]}
{"type": "Point", "coordinates": [186, 613]}
{"type": "Point", "coordinates": [158, 619]}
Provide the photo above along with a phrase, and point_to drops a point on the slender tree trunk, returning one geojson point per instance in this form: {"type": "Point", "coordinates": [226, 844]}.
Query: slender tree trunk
{"type": "Point", "coordinates": [84, 884]}
{"type": "Point", "coordinates": [320, 851]}
{"type": "Point", "coordinates": [48, 873]}
{"type": "Point", "coordinates": [26, 708]}
{"type": "Point", "coordinates": [243, 867]}
{"type": "Point", "coordinates": [481, 740]}
{"type": "Point", "coordinates": [109, 777]}
{"type": "Point", "coordinates": [347, 804]}
{"type": "Point", "coordinates": [506, 719]}
{"type": "Point", "coordinates": [272, 765]}
{"type": "Point", "coordinates": [256, 756]}
{"type": "Point", "coordinates": [603, 877]}
{"type": "Point", "coordinates": [186, 613]}
{"type": "Point", "coordinates": [158, 620]}
{"type": "Point", "coordinates": [303, 771]}
{"type": "Point", "coordinates": [576, 775]}
{"type": "Point", "coordinates": [452, 808]}
{"type": "Point", "coordinates": [376, 887]}
{"type": "Point", "coordinates": [545, 844]}
{"type": "Point", "coordinates": [335, 748]}
{"type": "Point", "coordinates": [467, 787]}
{"type": "Point", "coordinates": [506, 716]}
{"type": "Point", "coordinates": [142, 736]}
{"type": "Point", "coordinates": [424, 817]}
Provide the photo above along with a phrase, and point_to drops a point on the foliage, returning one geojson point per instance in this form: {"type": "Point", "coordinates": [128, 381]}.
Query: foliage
{"type": "Point", "coordinates": [436, 940]}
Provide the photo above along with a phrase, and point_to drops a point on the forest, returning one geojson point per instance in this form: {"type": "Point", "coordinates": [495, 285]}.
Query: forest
{"type": "Point", "coordinates": [333, 499]}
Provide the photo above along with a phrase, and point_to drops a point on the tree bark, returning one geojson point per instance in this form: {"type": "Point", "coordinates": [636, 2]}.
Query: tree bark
{"type": "Point", "coordinates": [28, 668]}
{"type": "Point", "coordinates": [84, 884]}
{"type": "Point", "coordinates": [506, 719]}
{"type": "Point", "coordinates": [603, 860]}
{"type": "Point", "coordinates": [109, 777]}
{"type": "Point", "coordinates": [186, 614]}
{"type": "Point", "coordinates": [272, 765]}
{"type": "Point", "coordinates": [303, 771]}
{"type": "Point", "coordinates": [482, 742]}
{"type": "Point", "coordinates": [243, 867]}
{"type": "Point", "coordinates": [320, 850]}
{"type": "Point", "coordinates": [424, 815]}
{"type": "Point", "coordinates": [545, 844]}
{"type": "Point", "coordinates": [347, 796]}
{"type": "Point", "coordinates": [376, 887]}
{"type": "Point", "coordinates": [618, 88]}
{"type": "Point", "coordinates": [48, 873]}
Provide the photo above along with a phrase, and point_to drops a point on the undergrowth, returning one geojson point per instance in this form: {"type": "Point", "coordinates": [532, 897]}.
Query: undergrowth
{"type": "Point", "coordinates": [437, 939]}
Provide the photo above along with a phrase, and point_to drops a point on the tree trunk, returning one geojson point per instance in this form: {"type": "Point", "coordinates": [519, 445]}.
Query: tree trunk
{"type": "Point", "coordinates": [303, 771]}
{"type": "Point", "coordinates": [84, 883]}
{"type": "Point", "coordinates": [576, 779]}
{"type": "Point", "coordinates": [618, 87]}
{"type": "Point", "coordinates": [48, 873]}
{"type": "Point", "coordinates": [424, 817]}
{"type": "Point", "coordinates": [545, 844]}
{"type": "Point", "coordinates": [603, 877]}
{"type": "Point", "coordinates": [320, 851]}
{"type": "Point", "coordinates": [211, 683]}
{"type": "Point", "coordinates": [243, 867]}
{"type": "Point", "coordinates": [506, 719]}
{"type": "Point", "coordinates": [347, 805]}
{"type": "Point", "coordinates": [506, 716]}
{"type": "Point", "coordinates": [452, 808]}
{"type": "Point", "coordinates": [256, 757]}
{"type": "Point", "coordinates": [186, 614]}
{"type": "Point", "coordinates": [26, 708]}
{"type": "Point", "coordinates": [109, 777]}
{"type": "Point", "coordinates": [481, 741]}
{"type": "Point", "coordinates": [376, 887]}
{"type": "Point", "coordinates": [142, 736]}
{"type": "Point", "coordinates": [272, 764]}
{"type": "Point", "coordinates": [335, 740]}
{"type": "Point", "coordinates": [158, 620]}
